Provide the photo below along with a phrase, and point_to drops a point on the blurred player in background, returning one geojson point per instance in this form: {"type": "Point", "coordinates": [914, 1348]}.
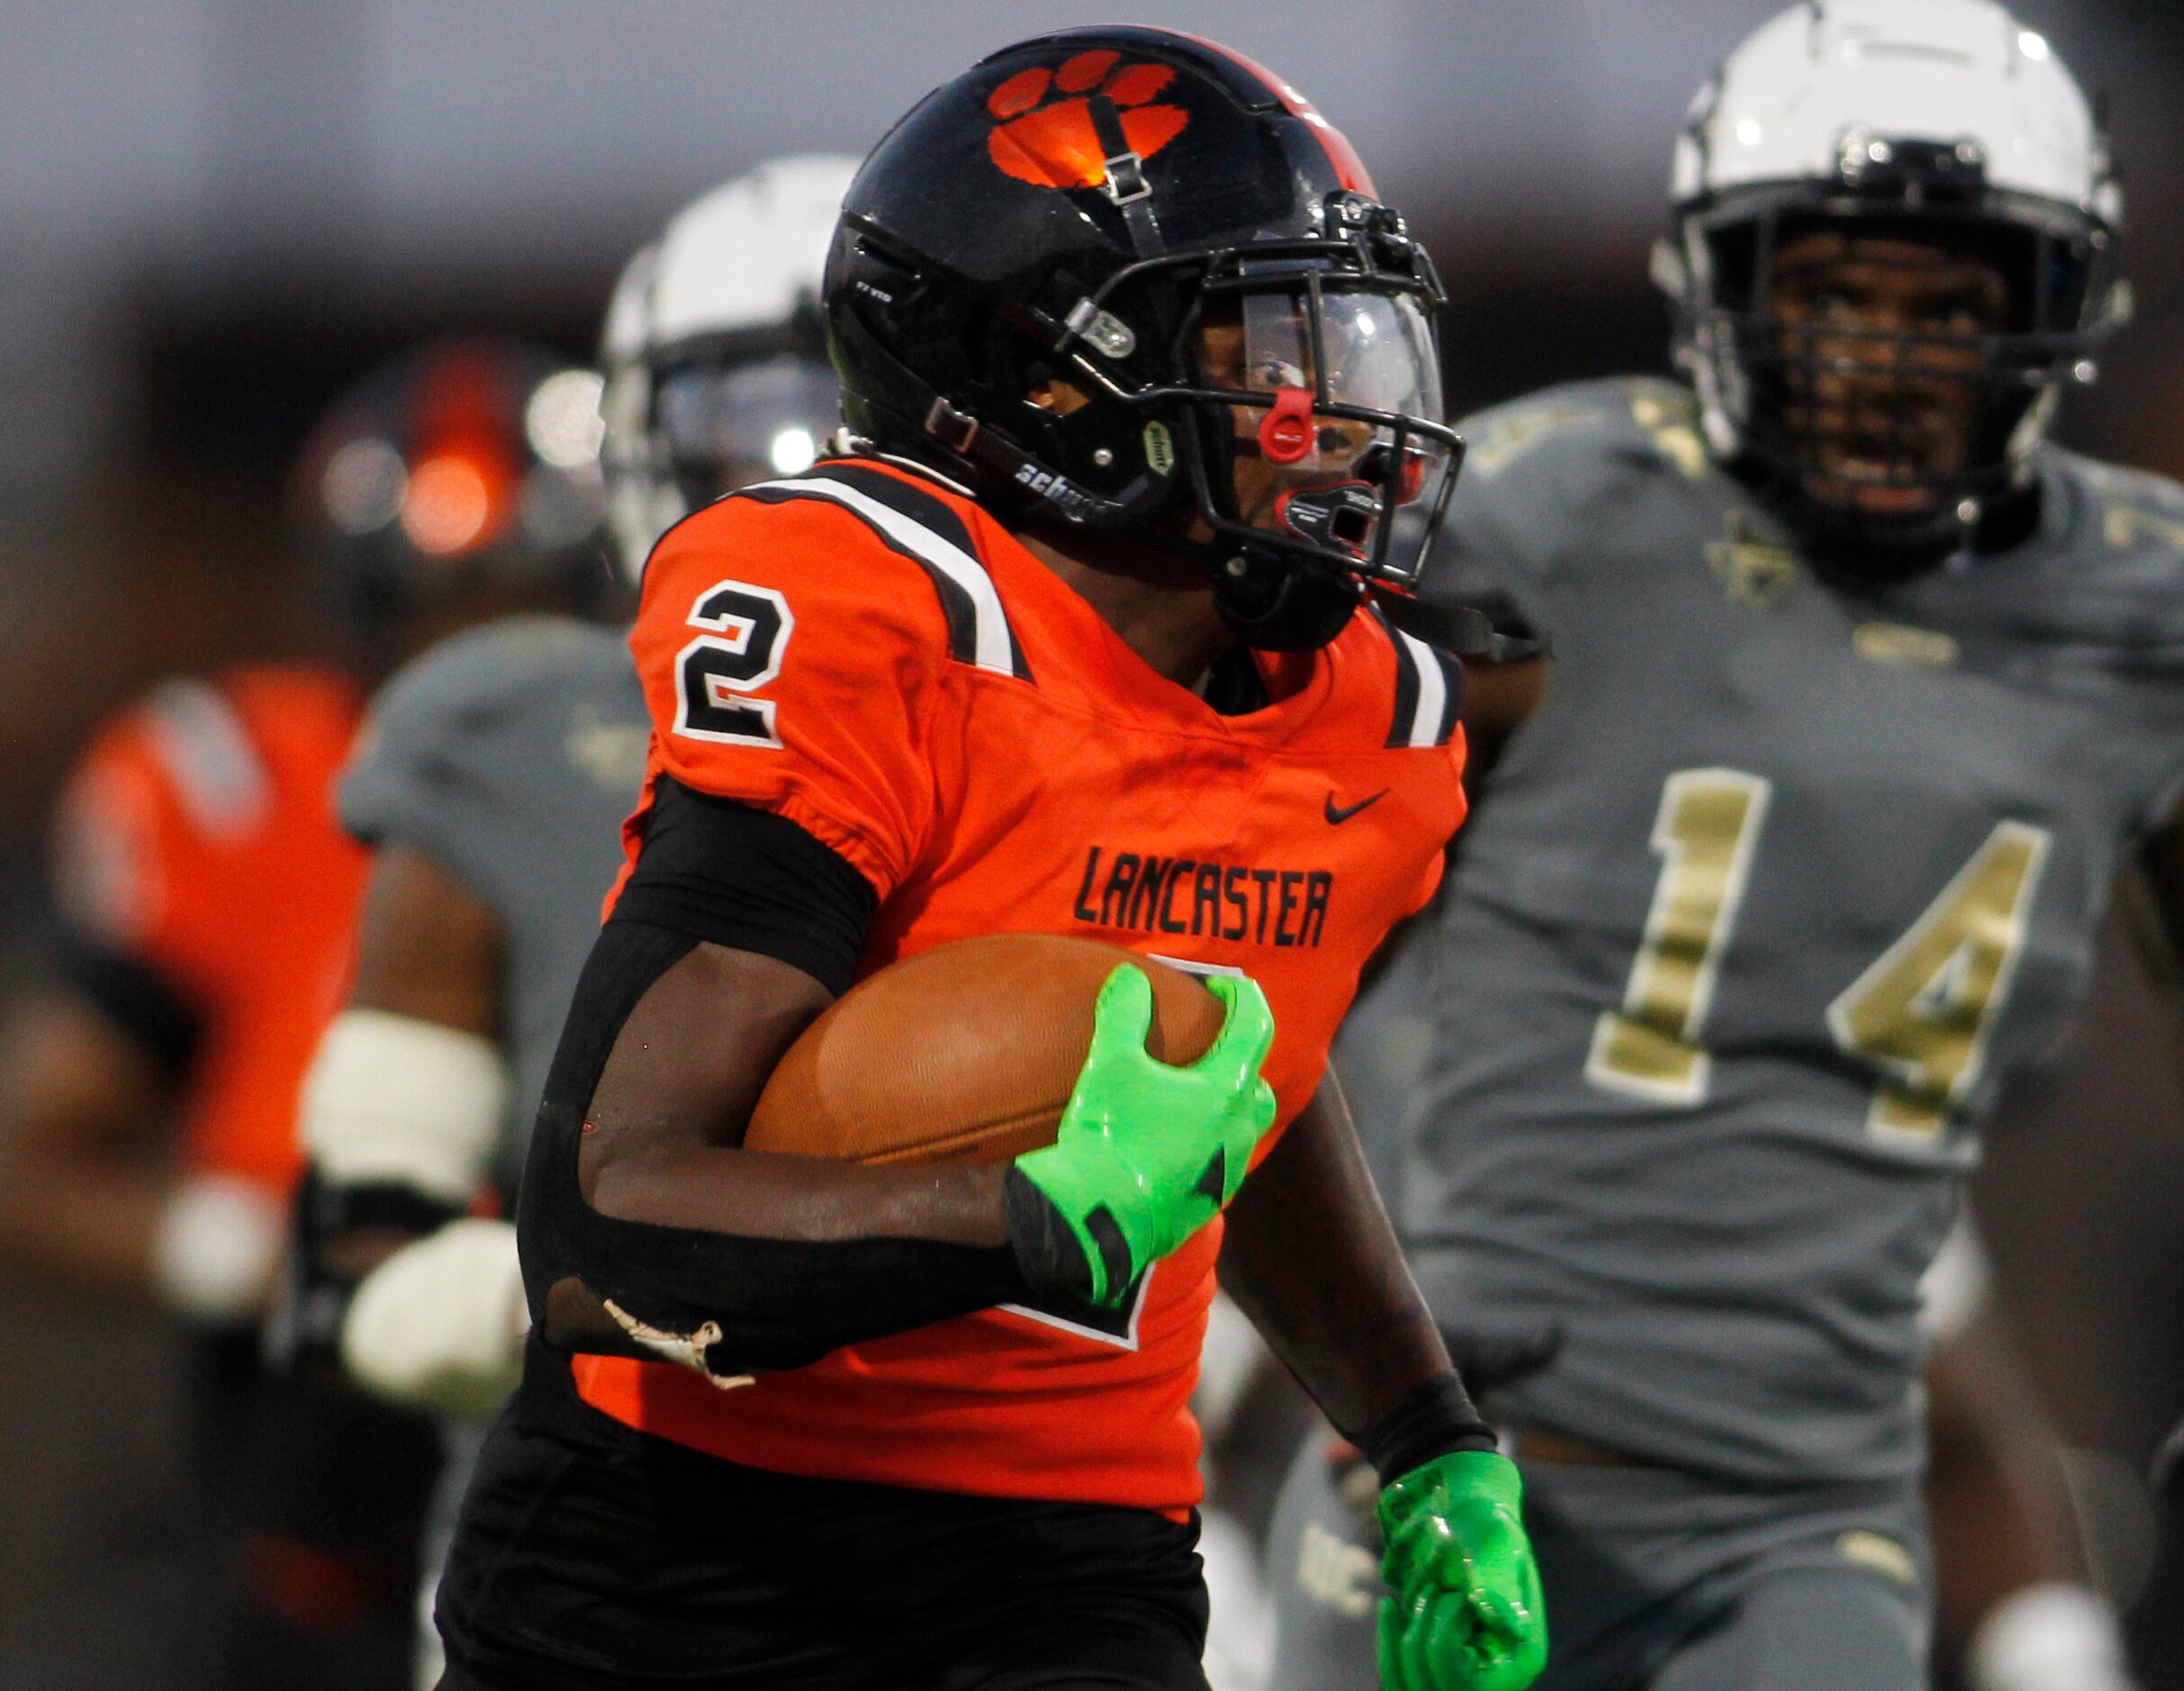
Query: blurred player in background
{"type": "Point", "coordinates": [1861, 690]}
{"type": "Point", "coordinates": [2011, 1612]}
{"type": "Point", "coordinates": [2011, 1608]}
{"type": "Point", "coordinates": [208, 901]}
{"type": "Point", "coordinates": [1144, 380]}
{"type": "Point", "coordinates": [491, 792]}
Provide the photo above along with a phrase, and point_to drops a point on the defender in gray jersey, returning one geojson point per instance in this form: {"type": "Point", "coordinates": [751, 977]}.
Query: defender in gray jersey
{"type": "Point", "coordinates": [508, 757]}
{"type": "Point", "coordinates": [1861, 690]}
{"type": "Point", "coordinates": [492, 789]}
{"type": "Point", "coordinates": [1831, 870]}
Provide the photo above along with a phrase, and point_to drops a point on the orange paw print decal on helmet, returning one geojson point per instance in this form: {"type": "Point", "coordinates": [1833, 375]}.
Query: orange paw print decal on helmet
{"type": "Point", "coordinates": [1046, 135]}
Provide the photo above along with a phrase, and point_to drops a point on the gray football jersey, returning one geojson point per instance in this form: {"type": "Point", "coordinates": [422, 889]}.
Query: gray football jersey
{"type": "Point", "coordinates": [1773, 892]}
{"type": "Point", "coordinates": [511, 754]}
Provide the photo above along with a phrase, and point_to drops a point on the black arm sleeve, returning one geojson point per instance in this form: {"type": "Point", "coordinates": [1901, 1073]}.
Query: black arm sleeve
{"type": "Point", "coordinates": [722, 872]}
{"type": "Point", "coordinates": [1432, 1421]}
{"type": "Point", "coordinates": [747, 880]}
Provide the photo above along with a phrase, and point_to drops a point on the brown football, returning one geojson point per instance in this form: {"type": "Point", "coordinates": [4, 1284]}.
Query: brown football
{"type": "Point", "coordinates": [965, 1053]}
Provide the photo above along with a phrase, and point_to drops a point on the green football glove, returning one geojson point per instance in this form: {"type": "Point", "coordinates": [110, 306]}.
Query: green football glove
{"type": "Point", "coordinates": [1147, 1153]}
{"type": "Point", "coordinates": [1467, 1615]}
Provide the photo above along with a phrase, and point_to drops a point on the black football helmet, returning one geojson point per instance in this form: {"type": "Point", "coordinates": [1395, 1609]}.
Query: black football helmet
{"type": "Point", "coordinates": [1124, 279]}
{"type": "Point", "coordinates": [457, 467]}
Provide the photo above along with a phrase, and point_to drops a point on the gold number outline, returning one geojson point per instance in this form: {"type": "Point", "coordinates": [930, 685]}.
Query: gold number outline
{"type": "Point", "coordinates": [1649, 1048]}
{"type": "Point", "coordinates": [1988, 892]}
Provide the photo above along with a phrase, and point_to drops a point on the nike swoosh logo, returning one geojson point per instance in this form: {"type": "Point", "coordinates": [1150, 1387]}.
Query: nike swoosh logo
{"type": "Point", "coordinates": [1336, 817]}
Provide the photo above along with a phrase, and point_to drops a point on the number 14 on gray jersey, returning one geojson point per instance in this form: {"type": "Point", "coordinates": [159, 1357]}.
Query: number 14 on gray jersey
{"type": "Point", "coordinates": [1918, 1014]}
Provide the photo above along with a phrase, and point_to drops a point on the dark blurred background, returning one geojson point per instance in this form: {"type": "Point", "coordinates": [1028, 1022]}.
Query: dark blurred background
{"type": "Point", "coordinates": [214, 213]}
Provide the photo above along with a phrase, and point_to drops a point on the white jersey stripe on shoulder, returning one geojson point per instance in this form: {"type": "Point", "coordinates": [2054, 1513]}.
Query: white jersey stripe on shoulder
{"type": "Point", "coordinates": [1432, 688]}
{"type": "Point", "coordinates": [990, 641]}
{"type": "Point", "coordinates": [209, 753]}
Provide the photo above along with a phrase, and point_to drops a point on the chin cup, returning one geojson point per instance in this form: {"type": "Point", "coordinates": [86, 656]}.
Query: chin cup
{"type": "Point", "coordinates": [1284, 604]}
{"type": "Point", "coordinates": [1341, 517]}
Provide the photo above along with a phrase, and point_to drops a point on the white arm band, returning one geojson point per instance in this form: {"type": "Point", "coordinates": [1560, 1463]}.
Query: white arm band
{"type": "Point", "coordinates": [2048, 1638]}
{"type": "Point", "coordinates": [216, 1249]}
{"type": "Point", "coordinates": [391, 1098]}
{"type": "Point", "coordinates": [440, 1325]}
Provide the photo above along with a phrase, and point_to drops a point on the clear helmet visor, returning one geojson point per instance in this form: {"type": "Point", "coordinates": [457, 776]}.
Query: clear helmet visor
{"type": "Point", "coordinates": [1341, 443]}
{"type": "Point", "coordinates": [725, 426]}
{"type": "Point", "coordinates": [1377, 349]}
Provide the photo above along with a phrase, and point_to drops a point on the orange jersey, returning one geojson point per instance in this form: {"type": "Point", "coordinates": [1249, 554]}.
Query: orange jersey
{"type": "Point", "coordinates": [876, 659]}
{"type": "Point", "coordinates": [198, 837]}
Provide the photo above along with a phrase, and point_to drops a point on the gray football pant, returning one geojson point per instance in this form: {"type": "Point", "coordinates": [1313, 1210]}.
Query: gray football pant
{"type": "Point", "coordinates": [1654, 1580]}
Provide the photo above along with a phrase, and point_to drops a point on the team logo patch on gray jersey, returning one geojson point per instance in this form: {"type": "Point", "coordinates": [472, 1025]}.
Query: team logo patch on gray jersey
{"type": "Point", "coordinates": [1672, 418]}
{"type": "Point", "coordinates": [1754, 570]}
{"type": "Point", "coordinates": [1510, 436]}
{"type": "Point", "coordinates": [1883, 1555]}
{"type": "Point", "coordinates": [611, 753]}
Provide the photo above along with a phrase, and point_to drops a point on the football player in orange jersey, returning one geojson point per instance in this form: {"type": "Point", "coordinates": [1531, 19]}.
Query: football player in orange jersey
{"type": "Point", "coordinates": [1097, 628]}
{"type": "Point", "coordinates": [207, 900]}
{"type": "Point", "coordinates": [492, 793]}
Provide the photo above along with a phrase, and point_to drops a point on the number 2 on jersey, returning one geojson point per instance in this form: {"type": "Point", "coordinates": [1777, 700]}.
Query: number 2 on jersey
{"type": "Point", "coordinates": [1919, 1014]}
{"type": "Point", "coordinates": [747, 629]}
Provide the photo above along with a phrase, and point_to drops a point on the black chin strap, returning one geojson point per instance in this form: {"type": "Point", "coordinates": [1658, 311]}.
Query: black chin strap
{"type": "Point", "coordinates": [1124, 184]}
{"type": "Point", "coordinates": [1457, 629]}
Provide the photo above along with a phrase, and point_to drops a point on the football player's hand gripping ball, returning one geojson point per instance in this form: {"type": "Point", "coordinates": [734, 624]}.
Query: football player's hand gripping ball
{"type": "Point", "coordinates": [1467, 1615]}
{"type": "Point", "coordinates": [1147, 1153]}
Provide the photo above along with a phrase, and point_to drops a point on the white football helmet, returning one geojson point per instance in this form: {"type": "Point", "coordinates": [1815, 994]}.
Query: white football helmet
{"type": "Point", "coordinates": [1934, 119]}
{"type": "Point", "coordinates": [714, 351]}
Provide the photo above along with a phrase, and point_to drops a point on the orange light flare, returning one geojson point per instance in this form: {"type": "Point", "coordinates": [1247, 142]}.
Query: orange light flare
{"type": "Point", "coordinates": [448, 508]}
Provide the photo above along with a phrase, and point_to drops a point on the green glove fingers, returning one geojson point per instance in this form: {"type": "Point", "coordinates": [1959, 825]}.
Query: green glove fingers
{"type": "Point", "coordinates": [1239, 1049]}
{"type": "Point", "coordinates": [1122, 1016]}
{"type": "Point", "coordinates": [1247, 1032]}
{"type": "Point", "coordinates": [1467, 1615]}
{"type": "Point", "coordinates": [1394, 1625]}
{"type": "Point", "coordinates": [1147, 1153]}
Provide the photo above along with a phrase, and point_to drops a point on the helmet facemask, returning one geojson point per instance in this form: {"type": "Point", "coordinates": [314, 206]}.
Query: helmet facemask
{"type": "Point", "coordinates": [1317, 412]}
{"type": "Point", "coordinates": [1887, 355]}
{"type": "Point", "coordinates": [1271, 411]}
{"type": "Point", "coordinates": [726, 424]}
